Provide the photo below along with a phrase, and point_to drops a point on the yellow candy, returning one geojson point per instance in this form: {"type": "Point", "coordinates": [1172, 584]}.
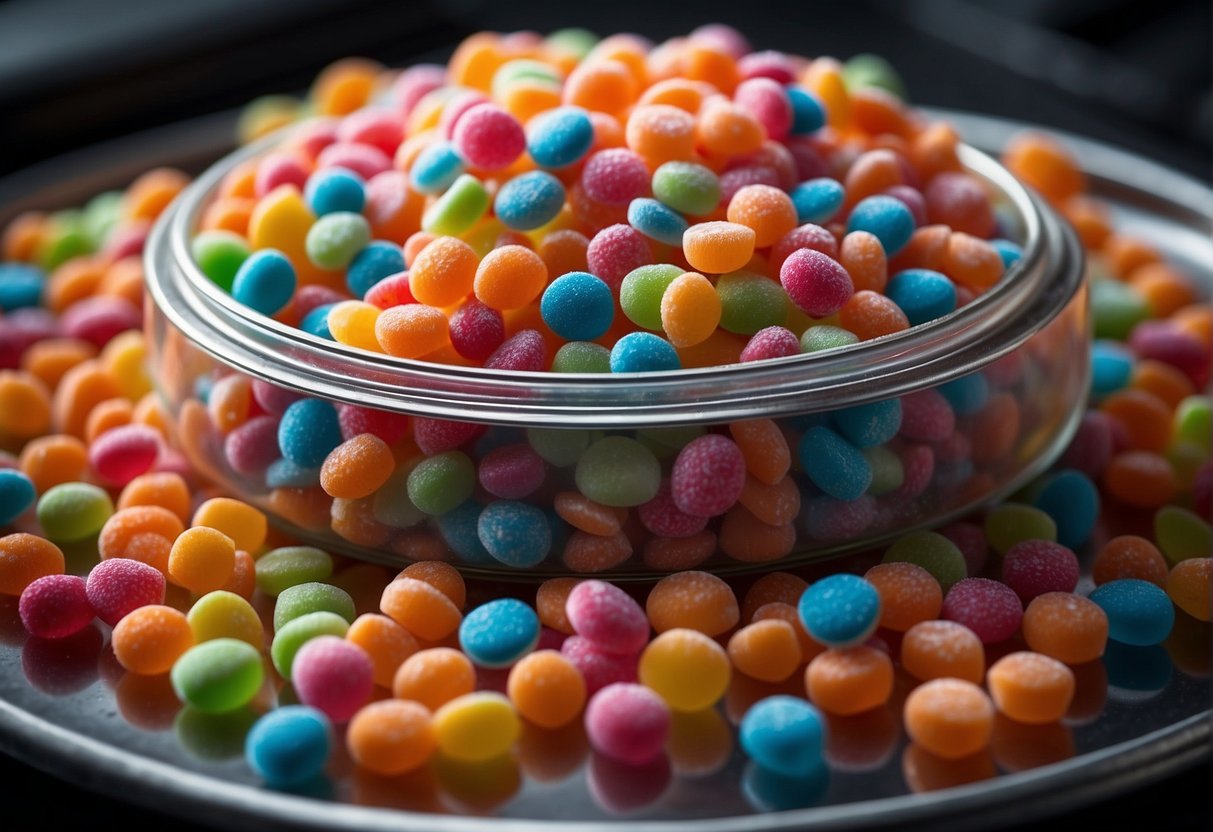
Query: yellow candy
{"type": "Point", "coordinates": [352, 322]}
{"type": "Point", "coordinates": [125, 358]}
{"type": "Point", "coordinates": [223, 614]}
{"type": "Point", "coordinates": [243, 523]}
{"type": "Point", "coordinates": [281, 220]}
{"type": "Point", "coordinates": [686, 668]}
{"type": "Point", "coordinates": [476, 726]}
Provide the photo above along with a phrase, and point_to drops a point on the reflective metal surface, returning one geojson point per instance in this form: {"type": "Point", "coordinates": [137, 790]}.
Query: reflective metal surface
{"type": "Point", "coordinates": [1140, 713]}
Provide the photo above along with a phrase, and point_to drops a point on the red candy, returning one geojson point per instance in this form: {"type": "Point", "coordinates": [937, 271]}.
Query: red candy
{"type": "Point", "coordinates": [608, 618]}
{"type": "Point", "coordinates": [55, 606]}
{"type": "Point", "coordinates": [803, 236]}
{"type": "Point", "coordinates": [477, 330]}
{"type": "Point", "coordinates": [598, 667]}
{"type": "Point", "coordinates": [118, 585]}
{"type": "Point", "coordinates": [455, 109]}
{"type": "Point", "coordinates": [1034, 567]}
{"type": "Point", "coordinates": [662, 516]}
{"type": "Point", "coordinates": [433, 436]}
{"type": "Point", "coordinates": [616, 250]}
{"type": "Point", "coordinates": [708, 476]}
{"type": "Point", "coordinates": [926, 416]}
{"type": "Point", "coordinates": [1090, 450]}
{"type": "Point", "coordinates": [970, 539]}
{"type": "Point", "coordinates": [815, 282]}
{"type": "Point", "coordinates": [511, 472]}
{"type": "Point", "coordinates": [524, 352]}
{"type": "Point", "coordinates": [488, 137]}
{"type": "Point", "coordinates": [123, 453]}
{"type": "Point", "coordinates": [959, 201]}
{"type": "Point", "coordinates": [251, 448]}
{"type": "Point", "coordinates": [314, 295]}
{"type": "Point", "coordinates": [615, 176]}
{"type": "Point", "coordinates": [392, 290]}
{"type": "Point", "coordinates": [772, 342]}
{"type": "Point", "coordinates": [355, 421]}
{"type": "Point", "coordinates": [988, 608]}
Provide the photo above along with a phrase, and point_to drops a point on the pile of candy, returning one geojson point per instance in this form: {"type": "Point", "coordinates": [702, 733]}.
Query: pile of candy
{"type": "Point", "coordinates": [972, 637]}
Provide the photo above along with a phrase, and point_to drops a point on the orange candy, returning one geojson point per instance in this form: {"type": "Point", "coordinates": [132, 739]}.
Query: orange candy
{"type": "Point", "coordinates": [550, 601]}
{"type": "Point", "coordinates": [909, 594]}
{"type": "Point", "coordinates": [1163, 380]}
{"type": "Point", "coordinates": [546, 689]}
{"type": "Point", "coordinates": [862, 255]}
{"type": "Point", "coordinates": [588, 516]}
{"type": "Point", "coordinates": [510, 277]}
{"type": "Point", "coordinates": [776, 504]}
{"type": "Point", "coordinates": [344, 86]}
{"type": "Point", "coordinates": [1067, 627]}
{"type": "Point", "coordinates": [773, 587]}
{"type": "Point", "coordinates": [1146, 418]}
{"type": "Point", "coordinates": [767, 650]}
{"type": "Point", "coordinates": [386, 642]}
{"type": "Point", "coordinates": [166, 490]}
{"type": "Point", "coordinates": [434, 677]}
{"type": "Point", "coordinates": [1164, 289]}
{"type": "Point", "coordinates": [442, 576]}
{"type": "Point", "coordinates": [442, 272]}
{"type": "Point", "coordinates": [779, 611]}
{"type": "Point", "coordinates": [201, 559]}
{"type": "Point", "coordinates": [765, 209]}
{"type": "Point", "coordinates": [1189, 585]}
{"type": "Point", "coordinates": [1045, 165]}
{"type": "Point", "coordinates": [594, 553]}
{"type": "Point", "coordinates": [412, 330]}
{"type": "Point", "coordinates": [927, 249]}
{"type": "Point", "coordinates": [767, 455]}
{"type": "Point", "coordinates": [943, 649]}
{"type": "Point", "coordinates": [718, 247]}
{"type": "Point", "coordinates": [142, 533]}
{"type": "Point", "coordinates": [150, 639]}
{"type": "Point", "coordinates": [725, 129]}
{"type": "Point", "coordinates": [420, 608]}
{"type": "Point", "coordinates": [661, 133]}
{"type": "Point", "coordinates": [564, 251]}
{"type": "Point", "coordinates": [246, 525]}
{"type": "Point", "coordinates": [672, 554]}
{"type": "Point", "coordinates": [694, 600]}
{"type": "Point", "coordinates": [870, 315]}
{"type": "Point", "coordinates": [1031, 687]}
{"type": "Point", "coordinates": [24, 558]}
{"type": "Point", "coordinates": [971, 261]}
{"type": "Point", "coordinates": [950, 718]}
{"type": "Point", "coordinates": [1140, 478]}
{"type": "Point", "coordinates": [851, 681]}
{"type": "Point", "coordinates": [872, 173]}
{"type": "Point", "coordinates": [80, 390]}
{"type": "Point", "coordinates": [747, 538]}
{"type": "Point", "coordinates": [357, 467]}
{"type": "Point", "coordinates": [1129, 556]}
{"type": "Point", "coordinates": [690, 310]}
{"type": "Point", "coordinates": [25, 405]}
{"type": "Point", "coordinates": [109, 414]}
{"type": "Point", "coordinates": [151, 193]}
{"type": "Point", "coordinates": [51, 358]}
{"type": "Point", "coordinates": [391, 737]}
{"type": "Point", "coordinates": [605, 86]}
{"type": "Point", "coordinates": [51, 460]}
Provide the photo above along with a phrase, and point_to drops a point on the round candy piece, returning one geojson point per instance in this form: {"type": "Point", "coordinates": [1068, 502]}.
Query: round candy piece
{"type": "Point", "coordinates": [816, 282]}
{"type": "Point", "coordinates": [887, 218]}
{"type": "Point", "coordinates": [289, 745]}
{"type": "Point", "coordinates": [24, 558]}
{"type": "Point", "coordinates": [607, 617]}
{"type": "Point", "coordinates": [515, 533]}
{"type": "Point", "coordinates": [559, 137]}
{"type": "Point", "coordinates": [55, 606]}
{"type": "Point", "coordinates": [73, 511]}
{"type": "Point", "coordinates": [476, 726]}
{"type": "Point", "coordinates": [117, 586]}
{"type": "Point", "coordinates": [499, 633]}
{"type": "Point", "coordinates": [218, 676]}
{"type": "Point", "coordinates": [1139, 613]}
{"type": "Point", "coordinates": [784, 734]}
{"type": "Point", "coordinates": [841, 610]}
{"type": "Point", "coordinates": [1031, 688]}
{"type": "Point", "coordinates": [391, 737]}
{"type": "Point", "coordinates": [1034, 567]}
{"type": "Point", "coordinates": [265, 282]}
{"type": "Point", "coordinates": [951, 718]}
{"type": "Point", "coordinates": [547, 689]}
{"type": "Point", "coordinates": [627, 722]}
{"type": "Point", "coordinates": [529, 200]}
{"type": "Point", "coordinates": [689, 670]}
{"type": "Point", "coordinates": [990, 609]}
{"type": "Point", "coordinates": [17, 494]}
{"type": "Point", "coordinates": [922, 294]}
{"type": "Point", "coordinates": [578, 306]}
{"type": "Point", "coordinates": [332, 675]}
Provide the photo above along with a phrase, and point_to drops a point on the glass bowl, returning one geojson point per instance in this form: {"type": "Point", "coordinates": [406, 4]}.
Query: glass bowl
{"type": "Point", "coordinates": [1011, 367]}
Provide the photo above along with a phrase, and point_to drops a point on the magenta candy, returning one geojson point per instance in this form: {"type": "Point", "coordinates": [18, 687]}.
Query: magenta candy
{"type": "Point", "coordinates": [918, 468]}
{"type": "Point", "coordinates": [488, 137]}
{"type": "Point", "coordinates": [988, 608]}
{"type": "Point", "coordinates": [171, 461]}
{"type": "Point", "coordinates": [455, 109]}
{"type": "Point", "coordinates": [278, 169]}
{"type": "Point", "coordinates": [123, 453]}
{"type": "Point", "coordinates": [511, 472]}
{"type": "Point", "coordinates": [616, 250]}
{"type": "Point", "coordinates": [598, 667]}
{"type": "Point", "coordinates": [272, 399]}
{"type": "Point", "coordinates": [356, 420]}
{"type": "Point", "coordinates": [970, 539]}
{"type": "Point", "coordinates": [772, 342]}
{"type": "Point", "coordinates": [1090, 450]}
{"type": "Point", "coordinates": [377, 127]}
{"type": "Point", "coordinates": [362, 159]}
{"type": "Point", "coordinates": [1161, 341]}
{"type": "Point", "coordinates": [708, 476]}
{"type": "Point", "coordinates": [766, 101]}
{"type": "Point", "coordinates": [550, 639]}
{"type": "Point", "coordinates": [524, 352]}
{"type": "Point", "coordinates": [627, 722]}
{"type": "Point", "coordinates": [662, 516]}
{"type": "Point", "coordinates": [55, 606]}
{"type": "Point", "coordinates": [119, 585]}
{"type": "Point", "coordinates": [126, 241]}
{"type": "Point", "coordinates": [607, 617]}
{"type": "Point", "coordinates": [615, 176]}
{"type": "Point", "coordinates": [809, 164]}
{"type": "Point", "coordinates": [333, 676]}
{"type": "Point", "coordinates": [415, 83]}
{"type": "Point", "coordinates": [433, 436]}
{"type": "Point", "coordinates": [732, 181]}
{"type": "Point", "coordinates": [98, 319]}
{"type": "Point", "coordinates": [253, 446]}
{"type": "Point", "coordinates": [926, 416]}
{"type": "Point", "coordinates": [815, 282]}
{"type": "Point", "coordinates": [911, 198]}
{"type": "Point", "coordinates": [1034, 567]}
{"type": "Point", "coordinates": [774, 156]}
{"type": "Point", "coordinates": [477, 330]}
{"type": "Point", "coordinates": [723, 37]}
{"type": "Point", "coordinates": [803, 236]}
{"type": "Point", "coordinates": [826, 518]}
{"type": "Point", "coordinates": [768, 64]}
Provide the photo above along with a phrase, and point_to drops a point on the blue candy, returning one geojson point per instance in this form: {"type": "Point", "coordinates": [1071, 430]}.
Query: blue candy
{"type": "Point", "coordinates": [887, 218]}
{"type": "Point", "coordinates": [870, 424]}
{"type": "Point", "coordinates": [335, 189]}
{"type": "Point", "coordinates": [289, 745]}
{"type": "Point", "coordinates": [808, 114]}
{"type": "Point", "coordinates": [833, 464]}
{"type": "Point", "coordinates": [499, 633]}
{"type": "Point", "coordinates": [1009, 252]}
{"type": "Point", "coordinates": [818, 200]}
{"type": "Point", "coordinates": [378, 260]}
{"type": "Point", "coordinates": [922, 294]}
{"type": "Point", "coordinates": [657, 221]}
{"type": "Point", "coordinates": [1072, 500]}
{"type": "Point", "coordinates": [316, 322]}
{"type": "Point", "coordinates": [967, 394]}
{"type": "Point", "coordinates": [283, 473]}
{"type": "Point", "coordinates": [435, 169]}
{"type": "Point", "coordinates": [784, 734]}
{"type": "Point", "coordinates": [308, 432]}
{"type": "Point", "coordinates": [1111, 367]}
{"type": "Point", "coordinates": [578, 306]}
{"type": "Point", "coordinates": [459, 528]}
{"type": "Point", "coordinates": [265, 281]}
{"type": "Point", "coordinates": [559, 137]}
{"type": "Point", "coordinates": [643, 352]}
{"type": "Point", "coordinates": [770, 791]}
{"type": "Point", "coordinates": [17, 493]}
{"type": "Point", "coordinates": [516, 534]}
{"type": "Point", "coordinates": [20, 286]}
{"type": "Point", "coordinates": [529, 200]}
{"type": "Point", "coordinates": [841, 610]}
{"type": "Point", "coordinates": [1139, 612]}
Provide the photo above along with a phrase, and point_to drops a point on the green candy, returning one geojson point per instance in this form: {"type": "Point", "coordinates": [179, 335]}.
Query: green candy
{"type": "Point", "coordinates": [617, 471]}
{"type": "Point", "coordinates": [1116, 308]}
{"type": "Point", "coordinates": [576, 42]}
{"type": "Point", "coordinates": [218, 676]}
{"type": "Point", "coordinates": [523, 69]}
{"type": "Point", "coordinates": [73, 511]}
{"type": "Point", "coordinates": [750, 302]}
{"type": "Point", "coordinates": [68, 238]}
{"type": "Point", "coordinates": [391, 504]}
{"type": "Point", "coordinates": [280, 569]}
{"type": "Point", "coordinates": [298, 632]}
{"type": "Point", "coordinates": [687, 187]}
{"type": "Point", "coordinates": [335, 239]}
{"type": "Point", "coordinates": [559, 446]}
{"type": "Point", "coordinates": [868, 70]}
{"type": "Point", "coordinates": [441, 482]}
{"type": "Point", "coordinates": [458, 209]}
{"type": "Point", "coordinates": [825, 337]}
{"type": "Point", "coordinates": [1181, 534]}
{"type": "Point", "coordinates": [641, 291]}
{"type": "Point", "coordinates": [934, 553]}
{"type": "Point", "coordinates": [582, 357]}
{"type": "Point", "coordinates": [1194, 422]}
{"type": "Point", "coordinates": [301, 599]}
{"type": "Point", "coordinates": [213, 737]}
{"type": "Point", "coordinates": [219, 254]}
{"type": "Point", "coordinates": [1012, 523]}
{"type": "Point", "coordinates": [887, 471]}
{"type": "Point", "coordinates": [101, 215]}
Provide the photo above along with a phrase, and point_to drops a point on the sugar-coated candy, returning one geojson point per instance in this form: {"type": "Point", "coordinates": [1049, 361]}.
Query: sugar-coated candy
{"type": "Point", "coordinates": [488, 137]}
{"type": "Point", "coordinates": [1031, 688]}
{"type": "Point", "coordinates": [943, 649]}
{"type": "Point", "coordinates": [693, 600]}
{"type": "Point", "coordinates": [909, 594]}
{"type": "Point", "coordinates": [578, 306]}
{"type": "Point", "coordinates": [391, 737]}
{"type": "Point", "coordinates": [218, 676]}
{"type": "Point", "coordinates": [374, 262]}
{"type": "Point", "coordinates": [529, 200]}
{"type": "Point", "coordinates": [951, 718]}
{"type": "Point", "coordinates": [311, 596]}
{"type": "Point", "coordinates": [922, 294]}
{"type": "Point", "coordinates": [833, 464]}
{"type": "Point", "coordinates": [24, 558]}
{"type": "Point", "coordinates": [559, 137]}
{"type": "Point", "coordinates": [289, 745]}
{"type": "Point", "coordinates": [420, 607]}
{"type": "Point", "coordinates": [265, 281]}
{"type": "Point", "coordinates": [627, 722]}
{"type": "Point", "coordinates": [308, 432]}
{"type": "Point", "coordinates": [888, 218]}
{"type": "Point", "coordinates": [784, 734]}
{"type": "Point", "coordinates": [117, 586]}
{"type": "Point", "coordinates": [840, 611]}
{"type": "Point", "coordinates": [73, 511]}
{"type": "Point", "coordinates": [332, 675]}
{"type": "Point", "coordinates": [514, 533]}
{"type": "Point", "coordinates": [818, 200]}
{"type": "Point", "coordinates": [607, 617]}
{"type": "Point", "coordinates": [708, 476]}
{"type": "Point", "coordinates": [1139, 613]}
{"type": "Point", "coordinates": [224, 614]}
{"type": "Point", "coordinates": [1011, 523]}
{"type": "Point", "coordinates": [1072, 500]}
{"type": "Point", "coordinates": [688, 669]}
{"type": "Point", "coordinates": [499, 633]}
{"type": "Point", "coordinates": [990, 609]}
{"type": "Point", "coordinates": [287, 566]}
{"type": "Point", "coordinates": [815, 282]}
{"type": "Point", "coordinates": [547, 689]}
{"type": "Point", "coordinates": [687, 187]}
{"type": "Point", "coordinates": [55, 606]}
{"type": "Point", "coordinates": [436, 168]}
{"type": "Point", "coordinates": [298, 632]}
{"type": "Point", "coordinates": [615, 470]}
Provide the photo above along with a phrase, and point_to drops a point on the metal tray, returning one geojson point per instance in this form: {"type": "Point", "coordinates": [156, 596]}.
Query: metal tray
{"type": "Point", "coordinates": [66, 708]}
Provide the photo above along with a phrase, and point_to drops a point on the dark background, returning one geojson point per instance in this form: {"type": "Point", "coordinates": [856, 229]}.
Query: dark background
{"type": "Point", "coordinates": [1135, 73]}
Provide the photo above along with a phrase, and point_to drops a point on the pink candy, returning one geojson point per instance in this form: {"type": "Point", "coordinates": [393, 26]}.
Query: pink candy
{"type": "Point", "coordinates": [815, 282]}
{"type": "Point", "coordinates": [415, 82]}
{"type": "Point", "coordinates": [433, 436]}
{"type": "Point", "coordinates": [123, 453]}
{"type": "Point", "coordinates": [616, 250]}
{"type": "Point", "coordinates": [477, 330]}
{"type": "Point", "coordinates": [362, 159]}
{"type": "Point", "coordinates": [355, 421]}
{"type": "Point", "coordinates": [278, 169]}
{"type": "Point", "coordinates": [708, 476]}
{"type": "Point", "coordinates": [333, 676]}
{"type": "Point", "coordinates": [766, 101]}
{"type": "Point", "coordinates": [253, 446]}
{"type": "Point", "coordinates": [524, 352]}
{"type": "Point", "coordinates": [926, 416]}
{"type": "Point", "coordinates": [598, 667]}
{"type": "Point", "coordinates": [379, 128]}
{"type": "Point", "coordinates": [803, 236]}
{"type": "Point", "coordinates": [772, 342]}
{"type": "Point", "coordinates": [615, 176]}
{"type": "Point", "coordinates": [627, 722]}
{"type": "Point", "coordinates": [988, 608]}
{"type": "Point", "coordinates": [98, 319]}
{"type": "Point", "coordinates": [119, 585]}
{"type": "Point", "coordinates": [1034, 567]}
{"type": "Point", "coordinates": [488, 137]}
{"type": "Point", "coordinates": [272, 399]}
{"type": "Point", "coordinates": [608, 618]}
{"type": "Point", "coordinates": [393, 290]}
{"type": "Point", "coordinates": [662, 516]}
{"type": "Point", "coordinates": [511, 472]}
{"type": "Point", "coordinates": [55, 606]}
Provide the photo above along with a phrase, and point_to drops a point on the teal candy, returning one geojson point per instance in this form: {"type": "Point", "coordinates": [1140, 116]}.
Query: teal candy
{"type": "Point", "coordinates": [657, 221]}
{"type": "Point", "coordinates": [887, 218]}
{"type": "Point", "coordinates": [516, 534]}
{"type": "Point", "coordinates": [1111, 367]}
{"type": "Point", "coordinates": [335, 189]}
{"type": "Point", "coordinates": [17, 494]}
{"type": "Point", "coordinates": [559, 137]}
{"type": "Point", "coordinates": [529, 200]}
{"type": "Point", "coordinates": [818, 200]}
{"type": "Point", "coordinates": [1072, 500]}
{"type": "Point", "coordinates": [833, 464]}
{"type": "Point", "coordinates": [441, 482]}
{"type": "Point", "coordinates": [499, 633]}
{"type": "Point", "coordinates": [784, 734]}
{"type": "Point", "coordinates": [289, 745]}
{"type": "Point", "coordinates": [1139, 612]}
{"type": "Point", "coordinates": [265, 282]}
{"type": "Point", "coordinates": [218, 676]}
{"type": "Point", "coordinates": [578, 306]}
{"type": "Point", "coordinates": [643, 352]}
{"type": "Point", "coordinates": [436, 168]}
{"type": "Point", "coordinates": [840, 610]}
{"type": "Point", "coordinates": [313, 596]}
{"type": "Point", "coordinates": [73, 511]}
